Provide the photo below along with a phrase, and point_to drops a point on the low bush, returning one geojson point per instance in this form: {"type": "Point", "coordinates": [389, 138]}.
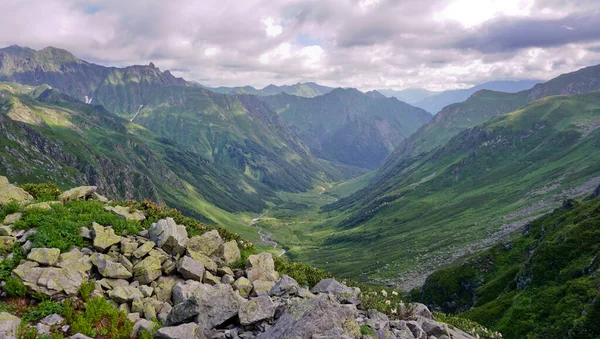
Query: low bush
{"type": "Point", "coordinates": [101, 319]}
{"type": "Point", "coordinates": [14, 287]}
{"type": "Point", "coordinates": [42, 192]}
{"type": "Point", "coordinates": [467, 325]}
{"type": "Point", "coordinates": [86, 289]}
{"type": "Point", "coordinates": [302, 273]}
{"type": "Point", "coordinates": [41, 310]}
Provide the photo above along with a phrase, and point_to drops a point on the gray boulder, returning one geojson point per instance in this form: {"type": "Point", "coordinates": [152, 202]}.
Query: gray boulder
{"type": "Point", "coordinates": [190, 269]}
{"type": "Point", "coordinates": [104, 237]}
{"type": "Point", "coordinates": [169, 236]}
{"type": "Point", "coordinates": [44, 256]}
{"type": "Point", "coordinates": [315, 318]}
{"type": "Point", "coordinates": [286, 286]}
{"type": "Point", "coordinates": [9, 192]}
{"type": "Point", "coordinates": [261, 267]}
{"type": "Point", "coordinates": [78, 193]}
{"type": "Point", "coordinates": [9, 326]}
{"type": "Point", "coordinates": [257, 309]}
{"type": "Point", "coordinates": [51, 281]}
{"type": "Point", "coordinates": [184, 331]}
{"type": "Point", "coordinates": [207, 244]}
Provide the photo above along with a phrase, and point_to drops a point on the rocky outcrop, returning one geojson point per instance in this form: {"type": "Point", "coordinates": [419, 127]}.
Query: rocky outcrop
{"type": "Point", "coordinates": [9, 326]}
{"type": "Point", "coordinates": [9, 192]}
{"type": "Point", "coordinates": [78, 193]}
{"type": "Point", "coordinates": [126, 213]}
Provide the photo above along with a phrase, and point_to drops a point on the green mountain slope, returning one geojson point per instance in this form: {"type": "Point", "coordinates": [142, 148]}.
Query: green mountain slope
{"type": "Point", "coordinates": [55, 138]}
{"type": "Point", "coordinates": [307, 90]}
{"type": "Point", "coordinates": [541, 284]}
{"type": "Point", "coordinates": [484, 183]}
{"type": "Point", "coordinates": [348, 126]}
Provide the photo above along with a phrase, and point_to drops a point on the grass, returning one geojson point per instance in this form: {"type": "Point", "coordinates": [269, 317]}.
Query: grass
{"type": "Point", "coordinates": [100, 319]}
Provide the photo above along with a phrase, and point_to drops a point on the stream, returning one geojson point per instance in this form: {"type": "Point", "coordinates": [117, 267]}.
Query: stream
{"type": "Point", "coordinates": [264, 237]}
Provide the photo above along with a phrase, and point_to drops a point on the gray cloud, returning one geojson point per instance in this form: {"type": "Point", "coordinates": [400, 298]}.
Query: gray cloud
{"type": "Point", "coordinates": [361, 43]}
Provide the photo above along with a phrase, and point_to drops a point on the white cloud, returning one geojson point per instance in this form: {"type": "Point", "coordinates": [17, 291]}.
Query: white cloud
{"type": "Point", "coordinates": [271, 29]}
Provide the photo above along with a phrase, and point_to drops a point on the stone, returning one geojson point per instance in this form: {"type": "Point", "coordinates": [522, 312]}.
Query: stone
{"type": "Point", "coordinates": [147, 270]}
{"type": "Point", "coordinates": [79, 336]}
{"type": "Point", "coordinates": [51, 281]}
{"type": "Point", "coordinates": [261, 267]}
{"type": "Point", "coordinates": [124, 294]}
{"type": "Point", "coordinates": [243, 286]}
{"type": "Point", "coordinates": [227, 279]}
{"type": "Point", "coordinates": [6, 231]}
{"type": "Point", "coordinates": [146, 290]}
{"type": "Point", "coordinates": [53, 320]}
{"type": "Point", "coordinates": [78, 193]}
{"type": "Point", "coordinates": [104, 237]}
{"type": "Point", "coordinates": [420, 310]}
{"type": "Point", "coordinates": [26, 247]}
{"type": "Point", "coordinates": [143, 250]}
{"type": "Point", "coordinates": [100, 198]}
{"type": "Point", "coordinates": [210, 279]}
{"type": "Point", "coordinates": [133, 317]}
{"type": "Point", "coordinates": [7, 243]}
{"type": "Point", "coordinates": [42, 329]}
{"type": "Point", "coordinates": [168, 266]}
{"type": "Point", "coordinates": [207, 262]}
{"type": "Point", "coordinates": [85, 233]}
{"type": "Point", "coordinates": [9, 192]}
{"type": "Point", "coordinates": [169, 236]}
{"type": "Point", "coordinates": [128, 247]}
{"type": "Point", "coordinates": [142, 325]}
{"type": "Point", "coordinates": [212, 306]}
{"type": "Point", "coordinates": [286, 286]}
{"type": "Point", "coordinates": [9, 325]}
{"type": "Point", "coordinates": [124, 307]}
{"type": "Point", "coordinates": [12, 218]}
{"type": "Point", "coordinates": [416, 330]}
{"type": "Point", "coordinates": [257, 309]}
{"type": "Point", "coordinates": [229, 252]}
{"type": "Point", "coordinates": [221, 271]}
{"type": "Point", "coordinates": [150, 306]}
{"type": "Point", "coordinates": [164, 288]}
{"type": "Point", "coordinates": [126, 213]}
{"type": "Point", "coordinates": [183, 291]}
{"type": "Point", "coordinates": [261, 287]}
{"type": "Point", "coordinates": [207, 244]}
{"type": "Point", "coordinates": [377, 320]}
{"type": "Point", "coordinates": [110, 269]}
{"type": "Point", "coordinates": [184, 331]}
{"type": "Point", "coordinates": [190, 269]}
{"type": "Point", "coordinates": [44, 256]}
{"type": "Point", "coordinates": [320, 317]}
{"type": "Point", "coordinates": [433, 328]}
{"type": "Point", "coordinates": [331, 286]}
{"type": "Point", "coordinates": [46, 206]}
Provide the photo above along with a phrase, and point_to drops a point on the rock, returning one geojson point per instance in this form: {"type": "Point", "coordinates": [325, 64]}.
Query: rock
{"type": "Point", "coordinates": [147, 270]}
{"type": "Point", "coordinates": [124, 307]}
{"type": "Point", "coordinates": [12, 218]}
{"type": "Point", "coordinates": [150, 306]}
{"type": "Point", "coordinates": [227, 279]}
{"type": "Point", "coordinates": [7, 243]}
{"type": "Point", "coordinates": [229, 252]}
{"type": "Point", "coordinates": [433, 328]}
{"type": "Point", "coordinates": [104, 237]}
{"type": "Point", "coordinates": [85, 233]}
{"type": "Point", "coordinates": [128, 247]}
{"type": "Point", "coordinates": [143, 250]}
{"type": "Point", "coordinates": [110, 269]}
{"type": "Point", "coordinates": [9, 192]}
{"type": "Point", "coordinates": [168, 267]}
{"type": "Point", "coordinates": [420, 310]}
{"type": "Point", "coordinates": [44, 256]}
{"type": "Point", "coordinates": [185, 331]}
{"type": "Point", "coordinates": [80, 336]}
{"type": "Point", "coordinates": [210, 279]}
{"type": "Point", "coordinates": [320, 317]}
{"type": "Point", "coordinates": [208, 263]}
{"type": "Point", "coordinates": [261, 287]}
{"type": "Point", "coordinates": [124, 294]}
{"type": "Point", "coordinates": [133, 317]}
{"type": "Point", "coordinates": [183, 291]}
{"type": "Point", "coordinates": [213, 306]}
{"type": "Point", "coordinates": [146, 290]}
{"type": "Point", "coordinates": [53, 320]}
{"type": "Point", "coordinates": [378, 320]}
{"type": "Point", "coordinates": [42, 329]}
{"type": "Point", "coordinates": [221, 271]}
{"type": "Point", "coordinates": [286, 286]}
{"type": "Point", "coordinates": [164, 288]}
{"type": "Point", "coordinates": [261, 267]}
{"type": "Point", "coordinates": [75, 259]}
{"type": "Point", "coordinates": [169, 236]}
{"type": "Point", "coordinates": [207, 244]}
{"type": "Point", "coordinates": [331, 286]}
{"type": "Point", "coordinates": [126, 213]}
{"type": "Point", "coordinates": [46, 206]}
{"type": "Point", "coordinates": [78, 193]}
{"type": "Point", "coordinates": [257, 309]}
{"type": "Point", "coordinates": [100, 198]}
{"type": "Point", "coordinates": [190, 269]}
{"type": "Point", "coordinates": [142, 325]}
{"type": "Point", "coordinates": [416, 330]}
{"type": "Point", "coordinates": [9, 325]}
{"type": "Point", "coordinates": [243, 286]}
{"type": "Point", "coordinates": [26, 247]}
{"type": "Point", "coordinates": [6, 231]}
{"type": "Point", "coordinates": [51, 281]}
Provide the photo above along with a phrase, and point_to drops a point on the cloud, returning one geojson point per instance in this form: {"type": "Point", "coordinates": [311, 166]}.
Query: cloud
{"type": "Point", "coordinates": [369, 44]}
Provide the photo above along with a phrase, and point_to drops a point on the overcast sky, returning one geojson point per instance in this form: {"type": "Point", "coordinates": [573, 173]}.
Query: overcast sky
{"type": "Point", "coordinates": [368, 44]}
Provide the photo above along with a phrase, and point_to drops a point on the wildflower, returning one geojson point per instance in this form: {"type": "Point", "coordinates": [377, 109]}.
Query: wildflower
{"type": "Point", "coordinates": [384, 293]}
{"type": "Point", "coordinates": [394, 293]}
{"type": "Point", "coordinates": [394, 310]}
{"type": "Point", "coordinates": [387, 302]}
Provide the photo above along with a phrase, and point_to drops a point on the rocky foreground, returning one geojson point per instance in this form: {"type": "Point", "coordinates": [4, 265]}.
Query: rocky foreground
{"type": "Point", "coordinates": [162, 276]}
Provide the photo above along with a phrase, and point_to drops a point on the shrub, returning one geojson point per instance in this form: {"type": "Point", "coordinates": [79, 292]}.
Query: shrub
{"type": "Point", "coordinates": [14, 287]}
{"type": "Point", "coordinates": [10, 208]}
{"type": "Point", "coordinates": [102, 319]}
{"type": "Point", "coordinates": [43, 309]}
{"type": "Point", "coordinates": [366, 330]}
{"type": "Point", "coordinates": [42, 192]}
{"type": "Point", "coordinates": [388, 301]}
{"type": "Point", "coordinates": [86, 289]}
{"type": "Point", "coordinates": [302, 273]}
{"type": "Point", "coordinates": [467, 325]}
{"type": "Point", "coordinates": [7, 265]}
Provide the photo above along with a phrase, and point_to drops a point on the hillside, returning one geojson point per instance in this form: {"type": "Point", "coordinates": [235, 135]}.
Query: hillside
{"type": "Point", "coordinates": [349, 126]}
{"type": "Point", "coordinates": [307, 90]}
{"type": "Point", "coordinates": [542, 283]}
{"type": "Point", "coordinates": [483, 184]}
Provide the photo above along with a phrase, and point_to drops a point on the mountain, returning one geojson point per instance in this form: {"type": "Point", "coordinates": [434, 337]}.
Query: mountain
{"type": "Point", "coordinates": [542, 283]}
{"type": "Point", "coordinates": [434, 103]}
{"type": "Point", "coordinates": [307, 90]}
{"type": "Point", "coordinates": [346, 125]}
{"type": "Point", "coordinates": [410, 95]}
{"type": "Point", "coordinates": [482, 184]}
{"type": "Point", "coordinates": [237, 132]}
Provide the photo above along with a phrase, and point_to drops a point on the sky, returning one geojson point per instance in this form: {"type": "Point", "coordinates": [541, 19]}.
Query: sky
{"type": "Point", "coordinates": [367, 44]}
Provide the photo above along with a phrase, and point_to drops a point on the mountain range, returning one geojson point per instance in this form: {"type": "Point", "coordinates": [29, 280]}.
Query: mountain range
{"type": "Point", "coordinates": [307, 90]}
